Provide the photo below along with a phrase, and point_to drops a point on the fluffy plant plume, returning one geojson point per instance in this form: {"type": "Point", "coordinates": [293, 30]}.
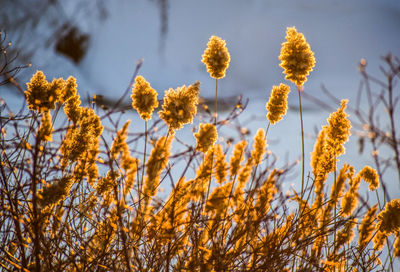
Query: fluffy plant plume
{"type": "Point", "coordinates": [144, 98]}
{"type": "Point", "coordinates": [180, 106]}
{"type": "Point", "coordinates": [216, 57]}
{"type": "Point", "coordinates": [297, 58]}
{"type": "Point", "coordinates": [277, 103]}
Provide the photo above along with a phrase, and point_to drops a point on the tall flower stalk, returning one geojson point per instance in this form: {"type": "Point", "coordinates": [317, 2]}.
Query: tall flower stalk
{"type": "Point", "coordinates": [216, 58]}
{"type": "Point", "coordinates": [144, 100]}
{"type": "Point", "coordinates": [298, 61]}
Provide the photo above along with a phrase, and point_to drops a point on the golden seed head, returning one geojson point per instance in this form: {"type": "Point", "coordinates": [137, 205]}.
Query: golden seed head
{"type": "Point", "coordinates": [379, 240]}
{"type": "Point", "coordinates": [42, 95]}
{"type": "Point", "coordinates": [338, 129]}
{"type": "Point", "coordinates": [54, 192]}
{"type": "Point", "coordinates": [45, 130]}
{"type": "Point", "coordinates": [396, 246]}
{"type": "Point", "coordinates": [69, 90]}
{"type": "Point", "coordinates": [119, 142]}
{"type": "Point", "coordinates": [370, 176]}
{"type": "Point", "coordinates": [73, 109]}
{"type": "Point", "coordinates": [259, 147]}
{"type": "Point", "coordinates": [220, 165]}
{"type": "Point", "coordinates": [318, 151]}
{"type": "Point", "coordinates": [389, 219]}
{"type": "Point", "coordinates": [144, 98]}
{"type": "Point", "coordinates": [277, 103]}
{"type": "Point", "coordinates": [206, 137]}
{"type": "Point", "coordinates": [237, 157]}
{"type": "Point", "coordinates": [180, 106]}
{"type": "Point", "coordinates": [367, 227]}
{"type": "Point", "coordinates": [216, 57]}
{"type": "Point", "coordinates": [157, 162]}
{"type": "Point", "coordinates": [218, 199]}
{"type": "Point", "coordinates": [296, 57]}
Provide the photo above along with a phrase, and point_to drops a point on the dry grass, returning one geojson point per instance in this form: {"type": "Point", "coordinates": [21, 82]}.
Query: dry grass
{"type": "Point", "coordinates": [73, 201]}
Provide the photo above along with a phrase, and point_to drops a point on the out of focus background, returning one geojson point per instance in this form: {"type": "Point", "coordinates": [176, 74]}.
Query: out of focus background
{"type": "Point", "coordinates": [99, 42]}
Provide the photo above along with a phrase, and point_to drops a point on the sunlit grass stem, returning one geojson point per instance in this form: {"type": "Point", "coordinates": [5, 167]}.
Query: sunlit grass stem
{"type": "Point", "coordinates": [302, 141]}
{"type": "Point", "coordinates": [215, 124]}
{"type": "Point", "coordinates": [144, 161]}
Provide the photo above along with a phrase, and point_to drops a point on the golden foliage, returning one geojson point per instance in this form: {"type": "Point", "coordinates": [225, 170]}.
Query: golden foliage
{"type": "Point", "coordinates": [70, 202]}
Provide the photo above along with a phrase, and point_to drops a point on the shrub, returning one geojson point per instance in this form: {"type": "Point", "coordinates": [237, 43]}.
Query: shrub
{"type": "Point", "coordinates": [72, 201]}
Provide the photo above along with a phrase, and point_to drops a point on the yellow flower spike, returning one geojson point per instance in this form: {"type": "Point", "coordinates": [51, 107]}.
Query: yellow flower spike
{"type": "Point", "coordinates": [367, 227]}
{"type": "Point", "coordinates": [157, 162]}
{"type": "Point", "coordinates": [389, 219]}
{"type": "Point", "coordinates": [318, 152]}
{"type": "Point", "coordinates": [144, 98]}
{"type": "Point", "coordinates": [379, 240]}
{"type": "Point", "coordinates": [54, 192]}
{"type": "Point", "coordinates": [277, 103]}
{"type": "Point", "coordinates": [236, 158]}
{"type": "Point", "coordinates": [370, 176]}
{"type": "Point", "coordinates": [259, 147]}
{"type": "Point", "coordinates": [396, 246]}
{"type": "Point", "coordinates": [180, 106]}
{"type": "Point", "coordinates": [296, 57]}
{"type": "Point", "coordinates": [119, 141]}
{"type": "Point", "coordinates": [206, 137]}
{"type": "Point", "coordinates": [72, 106]}
{"type": "Point", "coordinates": [338, 129]}
{"type": "Point", "coordinates": [45, 130]}
{"type": "Point", "coordinates": [220, 165]}
{"type": "Point", "coordinates": [346, 234]}
{"type": "Point", "coordinates": [69, 89]}
{"type": "Point", "coordinates": [37, 94]}
{"type": "Point", "coordinates": [216, 57]}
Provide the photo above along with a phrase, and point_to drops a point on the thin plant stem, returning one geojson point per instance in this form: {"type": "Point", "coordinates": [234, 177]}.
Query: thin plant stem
{"type": "Point", "coordinates": [144, 161]}
{"type": "Point", "coordinates": [215, 124]}
{"type": "Point", "coordinates": [215, 104]}
{"type": "Point", "coordinates": [302, 142]}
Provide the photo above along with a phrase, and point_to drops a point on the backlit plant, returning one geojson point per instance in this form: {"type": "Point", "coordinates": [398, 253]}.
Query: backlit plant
{"type": "Point", "coordinates": [75, 196]}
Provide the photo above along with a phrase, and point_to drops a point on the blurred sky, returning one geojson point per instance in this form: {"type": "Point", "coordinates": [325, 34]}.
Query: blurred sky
{"type": "Point", "coordinates": [340, 34]}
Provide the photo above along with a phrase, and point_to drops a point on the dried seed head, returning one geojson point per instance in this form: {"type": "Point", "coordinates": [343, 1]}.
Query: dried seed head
{"type": "Point", "coordinates": [389, 219]}
{"type": "Point", "coordinates": [180, 106]}
{"type": "Point", "coordinates": [42, 95]}
{"type": "Point", "coordinates": [216, 57]}
{"type": "Point", "coordinates": [277, 103]}
{"type": "Point", "coordinates": [206, 137]}
{"type": "Point", "coordinates": [144, 98]}
{"type": "Point", "coordinates": [338, 129]}
{"type": "Point", "coordinates": [370, 176]}
{"type": "Point", "coordinates": [296, 57]}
